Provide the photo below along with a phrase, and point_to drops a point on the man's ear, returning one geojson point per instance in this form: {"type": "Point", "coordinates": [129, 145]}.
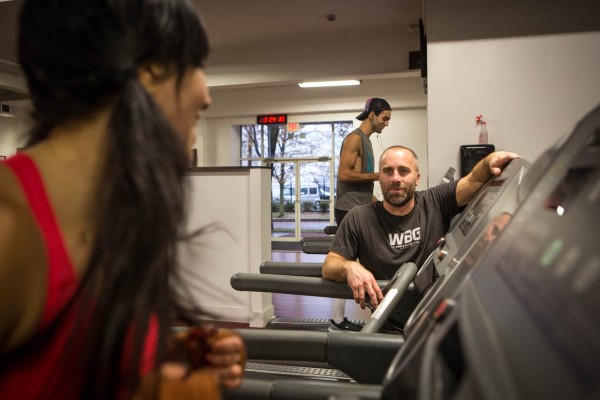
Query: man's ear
{"type": "Point", "coordinates": [418, 178]}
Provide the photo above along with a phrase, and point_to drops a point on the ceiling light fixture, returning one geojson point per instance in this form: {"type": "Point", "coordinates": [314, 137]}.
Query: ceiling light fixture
{"type": "Point", "coordinates": [328, 83]}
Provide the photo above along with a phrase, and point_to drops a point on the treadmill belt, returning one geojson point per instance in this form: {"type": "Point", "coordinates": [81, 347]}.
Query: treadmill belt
{"type": "Point", "coordinates": [303, 323]}
{"type": "Point", "coordinates": [297, 371]}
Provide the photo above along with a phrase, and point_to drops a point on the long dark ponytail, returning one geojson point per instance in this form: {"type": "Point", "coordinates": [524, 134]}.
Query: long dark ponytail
{"type": "Point", "coordinates": [80, 56]}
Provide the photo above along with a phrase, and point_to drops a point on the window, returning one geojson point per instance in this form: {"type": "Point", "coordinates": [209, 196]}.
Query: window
{"type": "Point", "coordinates": [303, 165]}
{"type": "Point", "coordinates": [311, 140]}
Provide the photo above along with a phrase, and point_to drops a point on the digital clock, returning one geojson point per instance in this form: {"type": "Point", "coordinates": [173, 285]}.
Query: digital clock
{"type": "Point", "coordinates": [271, 119]}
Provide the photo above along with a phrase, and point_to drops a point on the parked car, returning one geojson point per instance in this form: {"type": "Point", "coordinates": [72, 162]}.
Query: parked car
{"type": "Point", "coordinates": [308, 194]}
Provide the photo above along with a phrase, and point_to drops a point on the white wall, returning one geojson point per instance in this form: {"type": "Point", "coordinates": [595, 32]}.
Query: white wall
{"type": "Point", "coordinates": [239, 242]}
{"type": "Point", "coordinates": [531, 89]}
{"type": "Point", "coordinates": [12, 130]}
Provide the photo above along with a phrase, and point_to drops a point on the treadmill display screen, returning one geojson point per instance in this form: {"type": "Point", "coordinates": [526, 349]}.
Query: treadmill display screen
{"type": "Point", "coordinates": [481, 206]}
{"type": "Point", "coordinates": [491, 232]}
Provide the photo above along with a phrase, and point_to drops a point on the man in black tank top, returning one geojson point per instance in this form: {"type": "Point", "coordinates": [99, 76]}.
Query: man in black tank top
{"type": "Point", "coordinates": [356, 172]}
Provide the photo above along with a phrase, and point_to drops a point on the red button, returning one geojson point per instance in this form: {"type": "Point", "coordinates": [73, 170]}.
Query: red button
{"type": "Point", "coordinates": [442, 309]}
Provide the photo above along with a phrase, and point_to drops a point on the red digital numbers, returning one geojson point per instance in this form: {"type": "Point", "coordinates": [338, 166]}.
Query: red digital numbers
{"type": "Point", "coordinates": [271, 119]}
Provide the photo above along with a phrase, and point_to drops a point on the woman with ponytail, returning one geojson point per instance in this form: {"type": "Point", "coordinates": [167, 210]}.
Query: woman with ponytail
{"type": "Point", "coordinates": [91, 212]}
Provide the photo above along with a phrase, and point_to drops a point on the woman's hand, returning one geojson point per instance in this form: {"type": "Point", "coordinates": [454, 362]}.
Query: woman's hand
{"type": "Point", "coordinates": [227, 355]}
{"type": "Point", "coordinates": [206, 361]}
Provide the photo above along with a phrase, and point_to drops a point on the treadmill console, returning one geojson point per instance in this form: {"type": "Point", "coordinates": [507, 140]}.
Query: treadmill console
{"type": "Point", "coordinates": [499, 195]}
{"type": "Point", "coordinates": [479, 224]}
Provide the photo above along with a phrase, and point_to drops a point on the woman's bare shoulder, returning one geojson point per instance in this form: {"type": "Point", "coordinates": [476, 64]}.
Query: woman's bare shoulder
{"type": "Point", "coordinates": [22, 261]}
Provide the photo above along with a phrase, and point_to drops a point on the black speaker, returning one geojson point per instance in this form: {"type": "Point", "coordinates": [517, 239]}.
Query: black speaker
{"type": "Point", "coordinates": [414, 60]}
{"type": "Point", "coordinates": [471, 154]}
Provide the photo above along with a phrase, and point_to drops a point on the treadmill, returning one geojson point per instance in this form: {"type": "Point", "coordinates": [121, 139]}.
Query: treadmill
{"type": "Point", "coordinates": [331, 353]}
{"type": "Point", "coordinates": [320, 245]}
{"type": "Point", "coordinates": [523, 322]}
{"type": "Point", "coordinates": [500, 195]}
{"type": "Point", "coordinates": [309, 245]}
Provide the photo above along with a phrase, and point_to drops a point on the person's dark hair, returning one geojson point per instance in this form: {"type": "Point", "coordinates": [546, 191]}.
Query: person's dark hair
{"type": "Point", "coordinates": [82, 55]}
{"type": "Point", "coordinates": [376, 105]}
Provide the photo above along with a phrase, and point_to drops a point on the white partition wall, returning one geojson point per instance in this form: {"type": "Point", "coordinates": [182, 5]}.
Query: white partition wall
{"type": "Point", "coordinates": [233, 204]}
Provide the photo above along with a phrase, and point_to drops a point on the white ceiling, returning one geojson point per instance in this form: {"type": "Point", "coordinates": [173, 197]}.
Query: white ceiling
{"type": "Point", "coordinates": [238, 22]}
{"type": "Point", "coordinates": [274, 42]}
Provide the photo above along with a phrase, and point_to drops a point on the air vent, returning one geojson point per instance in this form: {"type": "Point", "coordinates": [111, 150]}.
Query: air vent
{"type": "Point", "coordinates": [5, 110]}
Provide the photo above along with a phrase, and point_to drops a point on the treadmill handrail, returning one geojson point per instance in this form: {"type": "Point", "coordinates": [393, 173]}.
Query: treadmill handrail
{"type": "Point", "coordinates": [315, 247]}
{"type": "Point", "coordinates": [291, 268]}
{"type": "Point", "coordinates": [302, 285]}
{"type": "Point", "coordinates": [316, 346]}
{"type": "Point", "coordinates": [395, 290]}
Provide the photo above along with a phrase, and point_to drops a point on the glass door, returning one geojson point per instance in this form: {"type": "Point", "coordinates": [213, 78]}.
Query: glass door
{"type": "Point", "coordinates": [315, 207]}
{"type": "Point", "coordinates": [300, 198]}
{"type": "Point", "coordinates": [283, 200]}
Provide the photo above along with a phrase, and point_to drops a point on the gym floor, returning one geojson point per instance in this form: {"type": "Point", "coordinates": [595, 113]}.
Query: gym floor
{"type": "Point", "coordinates": [294, 306]}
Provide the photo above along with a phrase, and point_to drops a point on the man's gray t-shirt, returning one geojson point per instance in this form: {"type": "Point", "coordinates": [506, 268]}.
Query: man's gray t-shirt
{"type": "Point", "coordinates": [383, 242]}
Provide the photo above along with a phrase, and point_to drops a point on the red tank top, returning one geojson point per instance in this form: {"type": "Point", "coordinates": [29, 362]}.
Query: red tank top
{"type": "Point", "coordinates": [39, 369]}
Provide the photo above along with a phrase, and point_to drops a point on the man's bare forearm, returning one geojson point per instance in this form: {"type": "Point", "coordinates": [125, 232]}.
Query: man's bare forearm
{"type": "Point", "coordinates": [333, 267]}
